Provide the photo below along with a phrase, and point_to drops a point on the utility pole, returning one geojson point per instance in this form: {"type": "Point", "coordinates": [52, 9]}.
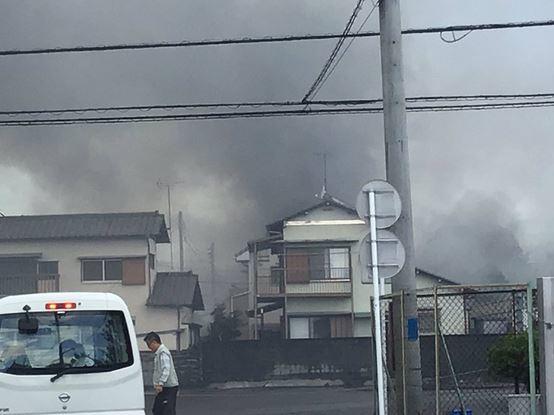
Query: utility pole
{"type": "Point", "coordinates": [168, 185]}
{"type": "Point", "coordinates": [211, 255]}
{"type": "Point", "coordinates": [170, 227]}
{"type": "Point", "coordinates": [161, 184]}
{"type": "Point", "coordinates": [398, 174]}
{"type": "Point", "coordinates": [325, 171]}
{"type": "Point", "coordinates": [181, 240]}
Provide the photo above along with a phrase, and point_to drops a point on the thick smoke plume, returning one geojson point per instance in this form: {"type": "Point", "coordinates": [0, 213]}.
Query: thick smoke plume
{"type": "Point", "coordinates": [238, 175]}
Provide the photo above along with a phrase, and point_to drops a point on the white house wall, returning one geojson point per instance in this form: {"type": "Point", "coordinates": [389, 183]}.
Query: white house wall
{"type": "Point", "coordinates": [68, 254]}
{"type": "Point", "coordinates": [303, 305]}
{"type": "Point", "coordinates": [323, 233]}
{"type": "Point", "coordinates": [324, 213]}
{"type": "Point", "coordinates": [313, 232]}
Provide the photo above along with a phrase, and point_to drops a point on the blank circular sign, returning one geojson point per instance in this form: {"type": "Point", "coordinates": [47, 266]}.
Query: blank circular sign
{"type": "Point", "coordinates": [391, 256]}
{"type": "Point", "coordinates": [387, 203]}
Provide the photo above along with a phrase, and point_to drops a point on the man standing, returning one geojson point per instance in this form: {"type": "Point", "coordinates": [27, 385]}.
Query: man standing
{"type": "Point", "coordinates": [165, 379]}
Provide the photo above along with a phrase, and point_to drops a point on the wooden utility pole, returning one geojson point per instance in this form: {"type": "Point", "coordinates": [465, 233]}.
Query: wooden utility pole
{"type": "Point", "coordinates": [211, 255]}
{"type": "Point", "coordinates": [398, 174]}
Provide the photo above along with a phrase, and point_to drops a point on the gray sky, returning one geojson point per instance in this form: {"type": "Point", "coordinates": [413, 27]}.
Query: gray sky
{"type": "Point", "coordinates": [481, 181]}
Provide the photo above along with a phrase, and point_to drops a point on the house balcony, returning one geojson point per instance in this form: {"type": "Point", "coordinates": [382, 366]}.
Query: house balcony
{"type": "Point", "coordinates": [271, 286]}
{"type": "Point", "coordinates": [333, 282]}
{"type": "Point", "coordinates": [29, 284]}
{"type": "Point", "coordinates": [321, 288]}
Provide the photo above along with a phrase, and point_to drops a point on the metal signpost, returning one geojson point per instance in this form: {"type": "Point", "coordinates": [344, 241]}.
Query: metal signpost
{"type": "Point", "coordinates": [545, 300]}
{"type": "Point", "coordinates": [383, 254]}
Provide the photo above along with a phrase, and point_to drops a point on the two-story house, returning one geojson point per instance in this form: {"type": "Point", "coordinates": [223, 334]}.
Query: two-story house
{"type": "Point", "coordinates": [305, 275]}
{"type": "Point", "coordinates": [108, 252]}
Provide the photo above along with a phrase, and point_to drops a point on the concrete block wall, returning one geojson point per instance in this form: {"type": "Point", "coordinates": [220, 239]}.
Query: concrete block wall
{"type": "Point", "coordinates": [188, 365]}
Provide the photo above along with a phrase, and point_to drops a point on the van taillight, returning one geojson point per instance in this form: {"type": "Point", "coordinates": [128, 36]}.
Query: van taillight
{"type": "Point", "coordinates": [61, 306]}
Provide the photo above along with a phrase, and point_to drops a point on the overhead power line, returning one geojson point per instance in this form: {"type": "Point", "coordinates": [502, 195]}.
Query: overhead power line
{"type": "Point", "coordinates": [172, 107]}
{"type": "Point", "coordinates": [265, 104]}
{"type": "Point", "coordinates": [339, 59]}
{"type": "Point", "coordinates": [335, 50]}
{"type": "Point", "coordinates": [267, 39]}
{"type": "Point", "coordinates": [269, 113]}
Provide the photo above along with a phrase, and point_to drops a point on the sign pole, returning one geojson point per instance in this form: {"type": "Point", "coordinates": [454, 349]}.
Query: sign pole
{"type": "Point", "coordinates": [376, 303]}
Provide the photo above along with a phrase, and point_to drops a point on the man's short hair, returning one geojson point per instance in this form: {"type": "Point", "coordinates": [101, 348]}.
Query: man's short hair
{"type": "Point", "coordinates": [152, 336]}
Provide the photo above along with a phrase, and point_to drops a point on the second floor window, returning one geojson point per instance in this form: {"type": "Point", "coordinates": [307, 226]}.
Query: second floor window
{"type": "Point", "coordinates": [103, 270]}
{"type": "Point", "coordinates": [319, 263]}
{"type": "Point", "coordinates": [128, 271]}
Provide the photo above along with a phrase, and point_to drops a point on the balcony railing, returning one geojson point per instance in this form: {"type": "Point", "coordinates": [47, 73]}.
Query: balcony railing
{"type": "Point", "coordinates": [273, 284]}
{"type": "Point", "coordinates": [329, 281]}
{"type": "Point", "coordinates": [28, 284]}
{"type": "Point", "coordinates": [320, 287]}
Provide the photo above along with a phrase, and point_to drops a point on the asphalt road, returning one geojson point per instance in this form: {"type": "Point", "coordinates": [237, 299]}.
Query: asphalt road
{"type": "Point", "coordinates": [297, 401]}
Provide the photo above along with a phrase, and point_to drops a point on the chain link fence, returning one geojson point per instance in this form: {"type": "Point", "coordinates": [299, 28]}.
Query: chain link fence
{"type": "Point", "coordinates": [474, 343]}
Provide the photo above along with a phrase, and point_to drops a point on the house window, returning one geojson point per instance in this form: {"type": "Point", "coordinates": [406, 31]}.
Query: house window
{"type": "Point", "coordinates": [113, 270]}
{"type": "Point", "coordinates": [18, 266]}
{"type": "Point", "coordinates": [48, 267]}
{"type": "Point", "coordinates": [102, 270]}
{"type": "Point", "coordinates": [489, 326]}
{"type": "Point", "coordinates": [337, 263]}
{"type": "Point", "coordinates": [299, 327]}
{"type": "Point", "coordinates": [320, 327]}
{"type": "Point", "coordinates": [316, 264]}
{"type": "Point", "coordinates": [128, 271]}
{"type": "Point", "coordinates": [426, 320]}
{"type": "Point", "coordinates": [93, 270]}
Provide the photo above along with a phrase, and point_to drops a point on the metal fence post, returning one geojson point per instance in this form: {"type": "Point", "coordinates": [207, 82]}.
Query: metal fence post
{"type": "Point", "coordinates": [532, 385]}
{"type": "Point", "coordinates": [545, 296]}
{"type": "Point", "coordinates": [403, 323]}
{"type": "Point", "coordinates": [437, 353]}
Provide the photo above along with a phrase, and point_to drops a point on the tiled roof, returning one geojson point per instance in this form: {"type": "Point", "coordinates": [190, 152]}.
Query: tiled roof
{"type": "Point", "coordinates": [176, 289]}
{"type": "Point", "coordinates": [84, 226]}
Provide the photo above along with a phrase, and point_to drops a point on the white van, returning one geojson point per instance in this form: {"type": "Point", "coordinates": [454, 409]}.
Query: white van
{"type": "Point", "coordinates": [68, 353]}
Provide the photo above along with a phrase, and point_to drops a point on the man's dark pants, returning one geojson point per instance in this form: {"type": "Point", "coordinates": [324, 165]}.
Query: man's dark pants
{"type": "Point", "coordinates": [165, 401]}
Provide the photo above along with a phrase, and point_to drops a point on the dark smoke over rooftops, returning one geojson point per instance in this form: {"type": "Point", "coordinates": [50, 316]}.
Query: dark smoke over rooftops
{"type": "Point", "coordinates": [480, 180]}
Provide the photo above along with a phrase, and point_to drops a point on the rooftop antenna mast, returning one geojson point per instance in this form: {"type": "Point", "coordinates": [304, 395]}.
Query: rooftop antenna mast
{"type": "Point", "coordinates": [324, 194]}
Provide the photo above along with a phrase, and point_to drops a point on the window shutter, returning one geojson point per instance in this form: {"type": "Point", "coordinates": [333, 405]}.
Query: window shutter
{"type": "Point", "coordinates": [298, 267]}
{"type": "Point", "coordinates": [134, 271]}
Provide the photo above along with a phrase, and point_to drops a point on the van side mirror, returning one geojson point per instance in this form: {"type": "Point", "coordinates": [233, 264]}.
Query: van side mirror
{"type": "Point", "coordinates": [27, 325]}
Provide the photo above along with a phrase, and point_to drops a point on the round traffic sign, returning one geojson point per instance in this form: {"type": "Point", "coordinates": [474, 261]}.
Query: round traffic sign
{"type": "Point", "coordinates": [391, 256]}
{"type": "Point", "coordinates": [387, 203]}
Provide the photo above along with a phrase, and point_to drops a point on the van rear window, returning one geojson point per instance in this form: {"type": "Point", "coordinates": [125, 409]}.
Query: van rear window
{"type": "Point", "coordinates": [83, 341]}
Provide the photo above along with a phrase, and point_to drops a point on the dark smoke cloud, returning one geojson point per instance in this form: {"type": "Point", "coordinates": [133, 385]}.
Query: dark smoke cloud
{"type": "Point", "coordinates": [477, 242]}
{"type": "Point", "coordinates": [239, 175]}
{"type": "Point", "coordinates": [235, 178]}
